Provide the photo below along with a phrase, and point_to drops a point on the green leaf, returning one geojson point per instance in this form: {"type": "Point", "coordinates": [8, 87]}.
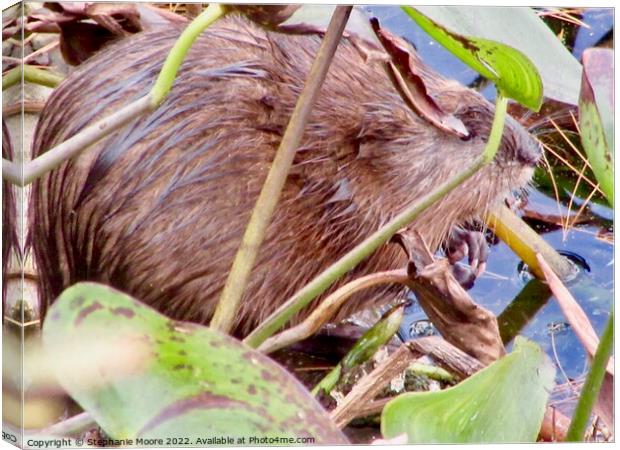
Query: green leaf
{"type": "Point", "coordinates": [141, 375]}
{"type": "Point", "coordinates": [366, 346]}
{"type": "Point", "coordinates": [505, 402]}
{"type": "Point", "coordinates": [520, 28]}
{"type": "Point", "coordinates": [596, 115]}
{"type": "Point", "coordinates": [512, 72]}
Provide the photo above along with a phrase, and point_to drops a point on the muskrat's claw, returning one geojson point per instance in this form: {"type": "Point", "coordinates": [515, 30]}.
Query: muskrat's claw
{"type": "Point", "coordinates": [465, 275]}
{"type": "Point", "coordinates": [474, 245]}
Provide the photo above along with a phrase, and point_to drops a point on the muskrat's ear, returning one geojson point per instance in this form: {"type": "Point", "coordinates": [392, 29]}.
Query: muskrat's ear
{"type": "Point", "coordinates": [477, 117]}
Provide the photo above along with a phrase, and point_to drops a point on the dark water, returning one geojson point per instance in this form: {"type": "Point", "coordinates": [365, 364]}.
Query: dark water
{"type": "Point", "coordinates": [506, 288]}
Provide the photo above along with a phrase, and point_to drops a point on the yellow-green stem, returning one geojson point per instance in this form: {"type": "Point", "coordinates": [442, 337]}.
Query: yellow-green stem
{"type": "Point", "coordinates": [272, 188]}
{"type": "Point", "coordinates": [592, 385]}
{"type": "Point", "coordinates": [182, 45]}
{"type": "Point", "coordinates": [526, 243]}
{"type": "Point", "coordinates": [32, 75]}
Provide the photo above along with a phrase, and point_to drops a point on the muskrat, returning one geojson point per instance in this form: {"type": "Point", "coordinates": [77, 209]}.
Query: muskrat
{"type": "Point", "coordinates": [158, 208]}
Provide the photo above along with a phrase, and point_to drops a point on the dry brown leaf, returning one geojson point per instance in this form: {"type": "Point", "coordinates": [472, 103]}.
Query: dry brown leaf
{"type": "Point", "coordinates": [80, 38]}
{"type": "Point", "coordinates": [411, 86]}
{"type": "Point", "coordinates": [460, 321]}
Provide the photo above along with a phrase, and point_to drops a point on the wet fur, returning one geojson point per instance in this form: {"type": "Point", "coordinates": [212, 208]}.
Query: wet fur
{"type": "Point", "coordinates": [158, 209]}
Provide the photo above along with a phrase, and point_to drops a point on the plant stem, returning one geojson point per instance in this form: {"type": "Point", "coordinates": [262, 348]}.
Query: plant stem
{"type": "Point", "coordinates": [272, 188]}
{"type": "Point", "coordinates": [182, 45]}
{"type": "Point", "coordinates": [497, 129]}
{"type": "Point", "coordinates": [42, 77]}
{"type": "Point", "coordinates": [11, 78]}
{"type": "Point", "coordinates": [71, 426]}
{"type": "Point", "coordinates": [593, 383]}
{"type": "Point", "coordinates": [328, 307]}
{"type": "Point", "coordinates": [526, 243]}
{"type": "Point", "coordinates": [324, 280]}
{"type": "Point", "coordinates": [76, 144]}
{"type": "Point", "coordinates": [73, 146]}
{"type": "Point", "coordinates": [32, 75]}
{"type": "Point", "coordinates": [328, 382]}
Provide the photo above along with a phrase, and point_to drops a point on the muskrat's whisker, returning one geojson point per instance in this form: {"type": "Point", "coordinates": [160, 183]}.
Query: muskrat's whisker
{"type": "Point", "coordinates": [570, 166]}
{"type": "Point", "coordinates": [570, 143]}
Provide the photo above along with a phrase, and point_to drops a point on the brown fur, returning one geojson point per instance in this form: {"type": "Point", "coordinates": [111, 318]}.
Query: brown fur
{"type": "Point", "coordinates": [158, 209]}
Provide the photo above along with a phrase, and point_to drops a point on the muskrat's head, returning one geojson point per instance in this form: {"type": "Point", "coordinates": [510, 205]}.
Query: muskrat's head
{"type": "Point", "coordinates": [513, 165]}
{"type": "Point", "coordinates": [417, 157]}
{"type": "Point", "coordinates": [518, 154]}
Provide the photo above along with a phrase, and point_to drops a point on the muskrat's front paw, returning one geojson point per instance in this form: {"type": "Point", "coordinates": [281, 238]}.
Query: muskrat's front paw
{"type": "Point", "coordinates": [474, 245]}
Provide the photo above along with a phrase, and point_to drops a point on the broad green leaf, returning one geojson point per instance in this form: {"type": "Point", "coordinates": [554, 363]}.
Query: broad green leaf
{"type": "Point", "coordinates": [512, 72]}
{"type": "Point", "coordinates": [596, 115]}
{"type": "Point", "coordinates": [505, 402]}
{"type": "Point", "coordinates": [520, 28]}
{"type": "Point", "coordinates": [140, 374]}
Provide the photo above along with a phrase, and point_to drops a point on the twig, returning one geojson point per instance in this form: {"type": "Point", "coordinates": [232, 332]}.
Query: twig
{"type": "Point", "coordinates": [572, 167]}
{"type": "Point", "coordinates": [72, 426]}
{"type": "Point", "coordinates": [328, 307]}
{"type": "Point", "coordinates": [267, 201]}
{"type": "Point", "coordinates": [554, 185]}
{"type": "Point", "coordinates": [369, 386]}
{"type": "Point", "coordinates": [72, 146]}
{"type": "Point", "coordinates": [44, 49]}
{"type": "Point", "coordinates": [447, 356]}
{"type": "Point", "coordinates": [573, 196]}
{"type": "Point", "coordinates": [372, 407]}
{"type": "Point", "coordinates": [26, 106]}
{"type": "Point", "coordinates": [579, 213]}
{"type": "Point", "coordinates": [364, 392]}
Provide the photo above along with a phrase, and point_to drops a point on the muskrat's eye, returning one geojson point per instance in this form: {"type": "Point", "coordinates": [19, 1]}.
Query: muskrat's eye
{"type": "Point", "coordinates": [472, 134]}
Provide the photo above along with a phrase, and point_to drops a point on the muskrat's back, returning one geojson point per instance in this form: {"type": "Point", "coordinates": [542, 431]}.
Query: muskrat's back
{"type": "Point", "coordinates": [158, 208]}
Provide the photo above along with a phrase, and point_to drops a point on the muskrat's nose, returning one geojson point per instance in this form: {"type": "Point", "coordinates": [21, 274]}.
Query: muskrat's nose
{"type": "Point", "coordinates": [529, 152]}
